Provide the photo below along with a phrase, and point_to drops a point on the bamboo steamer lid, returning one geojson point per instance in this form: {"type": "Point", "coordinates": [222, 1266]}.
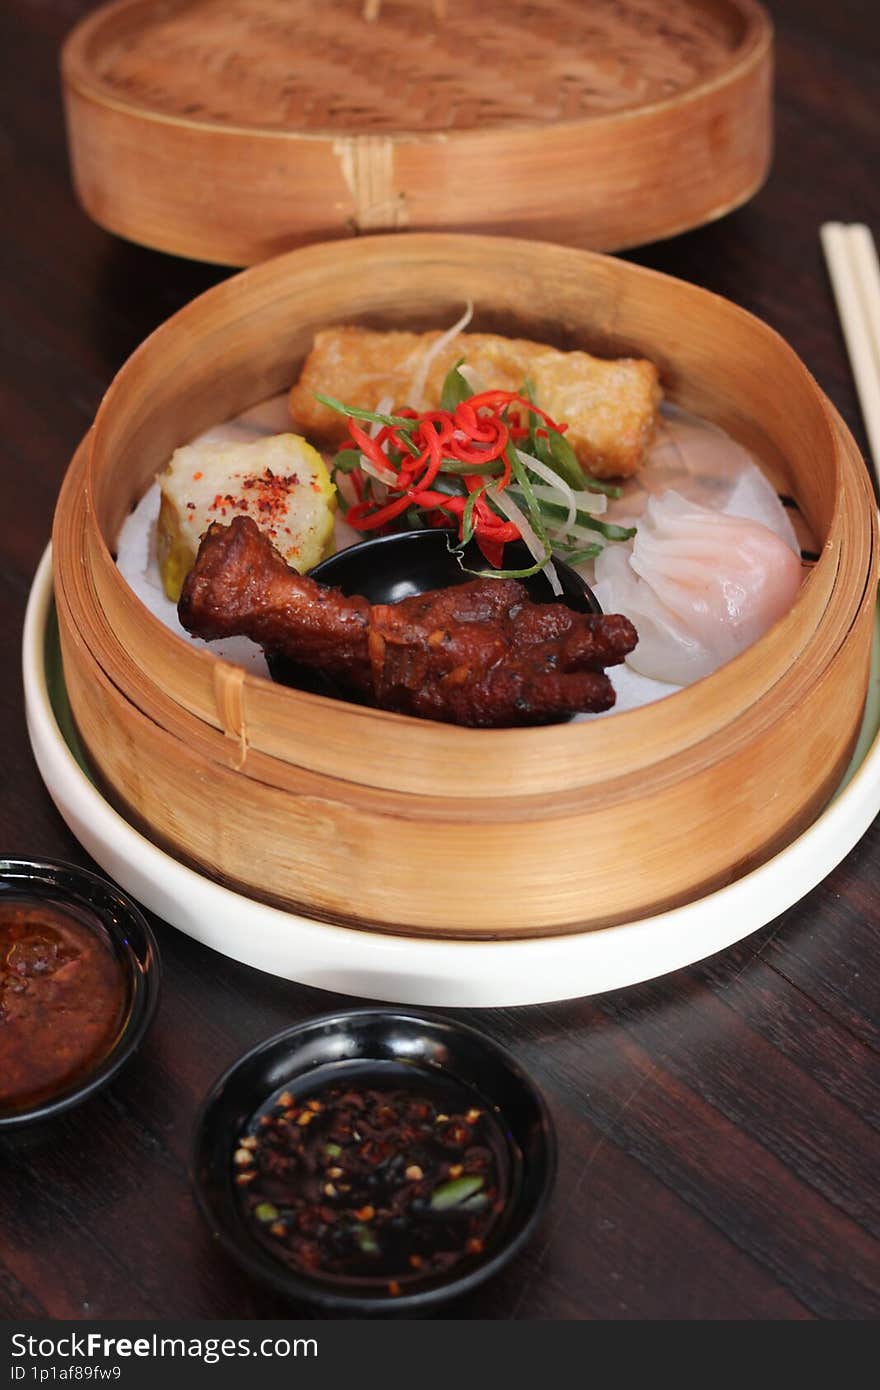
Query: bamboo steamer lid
{"type": "Point", "coordinates": [231, 130]}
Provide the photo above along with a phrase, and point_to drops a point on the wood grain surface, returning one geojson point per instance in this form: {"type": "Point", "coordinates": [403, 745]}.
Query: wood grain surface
{"type": "Point", "coordinates": [718, 1127]}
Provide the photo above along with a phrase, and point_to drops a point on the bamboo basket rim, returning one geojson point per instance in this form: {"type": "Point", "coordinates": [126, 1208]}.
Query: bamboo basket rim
{"type": "Point", "coordinates": [755, 47]}
{"type": "Point", "coordinates": [580, 736]}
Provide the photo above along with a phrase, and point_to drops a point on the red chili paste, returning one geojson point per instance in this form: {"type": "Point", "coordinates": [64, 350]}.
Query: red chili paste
{"type": "Point", "coordinates": [62, 1000]}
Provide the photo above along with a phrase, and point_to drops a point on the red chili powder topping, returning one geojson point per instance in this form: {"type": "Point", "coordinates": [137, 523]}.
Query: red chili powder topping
{"type": "Point", "coordinates": [267, 497]}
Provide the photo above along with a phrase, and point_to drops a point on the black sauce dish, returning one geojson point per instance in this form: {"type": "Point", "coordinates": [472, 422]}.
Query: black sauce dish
{"type": "Point", "coordinates": [340, 1048]}
{"type": "Point", "coordinates": [387, 569]}
{"type": "Point", "coordinates": [100, 906]}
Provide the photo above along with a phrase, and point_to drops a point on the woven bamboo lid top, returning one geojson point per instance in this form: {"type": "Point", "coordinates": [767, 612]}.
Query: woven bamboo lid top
{"type": "Point", "coordinates": [420, 66]}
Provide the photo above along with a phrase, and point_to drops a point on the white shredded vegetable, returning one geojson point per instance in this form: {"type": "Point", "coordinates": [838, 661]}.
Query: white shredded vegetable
{"type": "Point", "coordinates": [557, 484]}
{"type": "Point", "coordinates": [421, 377]}
{"type": "Point", "coordinates": [536, 547]}
{"type": "Point", "coordinates": [384, 407]}
{"type": "Point", "coordinates": [384, 475]}
{"type": "Point", "coordinates": [593, 502]}
{"type": "Point", "coordinates": [581, 533]}
{"type": "Point", "coordinates": [473, 379]}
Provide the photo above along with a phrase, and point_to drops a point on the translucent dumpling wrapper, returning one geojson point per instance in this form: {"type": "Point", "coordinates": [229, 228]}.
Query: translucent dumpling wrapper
{"type": "Point", "coordinates": [694, 458]}
{"type": "Point", "coordinates": [699, 585]}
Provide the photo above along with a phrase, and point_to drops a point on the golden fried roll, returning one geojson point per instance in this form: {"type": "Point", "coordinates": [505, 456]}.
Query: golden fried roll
{"type": "Point", "coordinates": [610, 406]}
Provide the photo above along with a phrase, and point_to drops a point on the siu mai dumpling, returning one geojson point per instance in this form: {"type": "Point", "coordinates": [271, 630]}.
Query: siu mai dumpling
{"type": "Point", "coordinates": [278, 480]}
{"type": "Point", "coordinates": [700, 587]}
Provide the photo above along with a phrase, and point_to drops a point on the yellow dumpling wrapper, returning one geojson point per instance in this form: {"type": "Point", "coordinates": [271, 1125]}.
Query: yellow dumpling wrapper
{"type": "Point", "coordinates": [280, 481]}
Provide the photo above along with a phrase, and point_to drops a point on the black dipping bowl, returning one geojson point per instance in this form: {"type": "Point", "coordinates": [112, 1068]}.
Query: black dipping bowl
{"type": "Point", "coordinates": [339, 1044]}
{"type": "Point", "coordinates": [387, 569]}
{"type": "Point", "coordinates": [390, 568]}
{"type": "Point", "coordinates": [125, 929]}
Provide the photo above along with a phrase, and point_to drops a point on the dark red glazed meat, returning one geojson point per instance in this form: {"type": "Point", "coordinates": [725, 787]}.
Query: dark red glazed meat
{"type": "Point", "coordinates": [479, 654]}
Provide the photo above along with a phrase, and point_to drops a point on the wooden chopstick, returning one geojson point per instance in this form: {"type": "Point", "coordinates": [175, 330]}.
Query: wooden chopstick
{"type": "Point", "coordinates": [855, 278]}
{"type": "Point", "coordinates": [868, 275]}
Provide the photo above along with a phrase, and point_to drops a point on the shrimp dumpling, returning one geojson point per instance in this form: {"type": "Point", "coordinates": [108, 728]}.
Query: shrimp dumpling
{"type": "Point", "coordinates": [699, 585]}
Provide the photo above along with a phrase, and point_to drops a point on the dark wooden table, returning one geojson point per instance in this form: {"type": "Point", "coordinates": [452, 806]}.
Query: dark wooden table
{"type": "Point", "coordinates": [718, 1128]}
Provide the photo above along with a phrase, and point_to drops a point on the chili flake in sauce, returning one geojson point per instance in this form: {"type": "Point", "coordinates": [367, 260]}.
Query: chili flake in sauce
{"type": "Point", "coordinates": [62, 1000]}
{"type": "Point", "coordinates": [369, 1183]}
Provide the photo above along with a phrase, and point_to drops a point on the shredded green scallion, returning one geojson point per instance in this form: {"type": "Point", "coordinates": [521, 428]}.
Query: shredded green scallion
{"type": "Point", "coordinates": [548, 446]}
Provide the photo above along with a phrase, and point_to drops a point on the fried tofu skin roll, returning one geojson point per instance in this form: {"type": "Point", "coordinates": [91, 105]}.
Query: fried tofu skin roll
{"type": "Point", "coordinates": [610, 406]}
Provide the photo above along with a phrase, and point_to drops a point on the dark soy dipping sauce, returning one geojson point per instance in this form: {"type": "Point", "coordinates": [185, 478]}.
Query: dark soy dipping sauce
{"type": "Point", "coordinates": [63, 997]}
{"type": "Point", "coordinates": [379, 1173]}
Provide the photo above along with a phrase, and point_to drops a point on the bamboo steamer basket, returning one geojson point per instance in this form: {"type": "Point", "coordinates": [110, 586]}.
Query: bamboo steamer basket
{"type": "Point", "coordinates": [230, 132]}
{"type": "Point", "coordinates": [367, 817]}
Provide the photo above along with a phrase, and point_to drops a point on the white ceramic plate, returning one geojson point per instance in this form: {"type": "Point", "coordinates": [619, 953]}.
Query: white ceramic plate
{"type": "Point", "coordinates": [412, 970]}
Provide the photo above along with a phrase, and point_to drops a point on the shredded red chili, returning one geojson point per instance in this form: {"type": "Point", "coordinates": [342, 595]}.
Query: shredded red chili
{"type": "Point", "coordinates": [476, 435]}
